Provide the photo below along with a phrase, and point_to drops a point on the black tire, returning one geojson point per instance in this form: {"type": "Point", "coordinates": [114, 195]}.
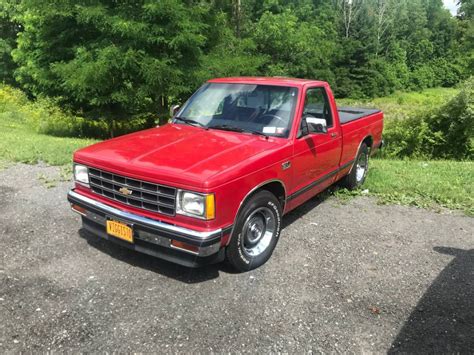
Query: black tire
{"type": "Point", "coordinates": [245, 250]}
{"type": "Point", "coordinates": [355, 179]}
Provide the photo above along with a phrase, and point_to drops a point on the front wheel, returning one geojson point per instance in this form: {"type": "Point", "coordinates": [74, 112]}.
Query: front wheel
{"type": "Point", "coordinates": [255, 233]}
{"type": "Point", "coordinates": [358, 173]}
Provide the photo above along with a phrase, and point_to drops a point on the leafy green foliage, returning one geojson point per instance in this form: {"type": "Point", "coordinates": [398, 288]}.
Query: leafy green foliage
{"type": "Point", "coordinates": [229, 56]}
{"type": "Point", "coordinates": [120, 65]}
{"type": "Point", "coordinates": [110, 61]}
{"type": "Point", "coordinates": [8, 31]}
{"type": "Point", "coordinates": [466, 32]}
{"type": "Point", "coordinates": [400, 105]}
{"type": "Point", "coordinates": [44, 116]}
{"type": "Point", "coordinates": [295, 48]}
{"type": "Point", "coordinates": [445, 132]}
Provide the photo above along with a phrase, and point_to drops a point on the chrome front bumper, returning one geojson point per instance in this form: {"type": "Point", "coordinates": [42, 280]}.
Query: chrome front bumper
{"type": "Point", "coordinates": [152, 236]}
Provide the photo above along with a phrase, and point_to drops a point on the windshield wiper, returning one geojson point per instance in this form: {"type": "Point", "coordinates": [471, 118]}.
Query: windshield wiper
{"type": "Point", "coordinates": [258, 133]}
{"type": "Point", "coordinates": [190, 122]}
{"type": "Point", "coordinates": [225, 127]}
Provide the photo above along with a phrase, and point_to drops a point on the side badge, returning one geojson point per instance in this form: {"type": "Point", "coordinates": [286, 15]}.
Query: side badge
{"type": "Point", "coordinates": [285, 165]}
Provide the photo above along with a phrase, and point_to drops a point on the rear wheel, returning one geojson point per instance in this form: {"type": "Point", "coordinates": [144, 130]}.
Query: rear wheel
{"type": "Point", "coordinates": [358, 173]}
{"type": "Point", "coordinates": [255, 233]}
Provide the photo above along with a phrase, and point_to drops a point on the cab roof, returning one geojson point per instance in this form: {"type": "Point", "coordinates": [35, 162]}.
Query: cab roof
{"type": "Point", "coordinates": [261, 80]}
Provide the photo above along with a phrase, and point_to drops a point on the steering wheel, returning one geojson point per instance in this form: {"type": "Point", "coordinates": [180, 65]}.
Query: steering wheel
{"type": "Point", "coordinates": [278, 118]}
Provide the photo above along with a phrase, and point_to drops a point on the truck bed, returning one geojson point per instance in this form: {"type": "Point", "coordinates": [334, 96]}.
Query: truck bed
{"type": "Point", "coordinates": [349, 114]}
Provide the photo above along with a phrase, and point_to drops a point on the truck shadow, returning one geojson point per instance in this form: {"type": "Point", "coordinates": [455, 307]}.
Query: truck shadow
{"type": "Point", "coordinates": [182, 273]}
{"type": "Point", "coordinates": [147, 262]}
{"type": "Point", "coordinates": [443, 320]}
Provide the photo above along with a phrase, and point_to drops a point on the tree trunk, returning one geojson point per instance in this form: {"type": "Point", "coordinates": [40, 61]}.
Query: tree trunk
{"type": "Point", "coordinates": [237, 16]}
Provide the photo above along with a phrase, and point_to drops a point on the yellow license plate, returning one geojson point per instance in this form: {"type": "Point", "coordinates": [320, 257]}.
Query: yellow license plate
{"type": "Point", "coordinates": [120, 230]}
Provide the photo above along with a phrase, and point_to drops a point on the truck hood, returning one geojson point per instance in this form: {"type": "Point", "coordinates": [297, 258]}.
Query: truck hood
{"type": "Point", "coordinates": [179, 154]}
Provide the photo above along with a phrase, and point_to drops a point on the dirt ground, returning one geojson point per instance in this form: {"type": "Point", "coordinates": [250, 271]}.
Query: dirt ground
{"type": "Point", "coordinates": [355, 277]}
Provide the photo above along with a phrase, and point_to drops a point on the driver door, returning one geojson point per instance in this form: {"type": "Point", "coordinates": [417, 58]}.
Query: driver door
{"type": "Point", "coordinates": [316, 155]}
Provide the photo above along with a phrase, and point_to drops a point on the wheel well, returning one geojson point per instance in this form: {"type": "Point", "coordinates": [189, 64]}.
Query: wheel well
{"type": "Point", "coordinates": [276, 188]}
{"type": "Point", "coordinates": [369, 141]}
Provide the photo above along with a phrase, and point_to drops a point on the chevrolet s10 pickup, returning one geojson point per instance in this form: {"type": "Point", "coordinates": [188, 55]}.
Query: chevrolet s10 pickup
{"type": "Point", "coordinates": [215, 182]}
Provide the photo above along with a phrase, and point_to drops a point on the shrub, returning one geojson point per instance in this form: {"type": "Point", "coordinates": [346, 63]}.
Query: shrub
{"type": "Point", "coordinates": [11, 98]}
{"type": "Point", "coordinates": [446, 132]}
{"type": "Point", "coordinates": [44, 116]}
{"type": "Point", "coordinates": [422, 77]}
{"type": "Point", "coordinates": [451, 130]}
{"type": "Point", "coordinates": [446, 73]}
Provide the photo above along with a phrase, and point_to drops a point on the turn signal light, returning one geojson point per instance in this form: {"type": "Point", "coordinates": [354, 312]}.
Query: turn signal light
{"type": "Point", "coordinates": [79, 209]}
{"type": "Point", "coordinates": [185, 246]}
{"type": "Point", "coordinates": [210, 207]}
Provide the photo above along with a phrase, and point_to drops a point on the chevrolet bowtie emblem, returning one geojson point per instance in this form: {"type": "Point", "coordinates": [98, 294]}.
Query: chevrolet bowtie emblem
{"type": "Point", "coordinates": [125, 191]}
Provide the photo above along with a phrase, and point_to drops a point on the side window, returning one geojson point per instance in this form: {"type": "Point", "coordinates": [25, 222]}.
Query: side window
{"type": "Point", "coordinates": [317, 105]}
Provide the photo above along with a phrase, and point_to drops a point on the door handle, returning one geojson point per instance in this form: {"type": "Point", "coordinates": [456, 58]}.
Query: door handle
{"type": "Point", "coordinates": [333, 135]}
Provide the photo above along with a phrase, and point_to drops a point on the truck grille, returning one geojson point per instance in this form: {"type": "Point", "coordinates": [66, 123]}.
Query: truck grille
{"type": "Point", "coordinates": [136, 193]}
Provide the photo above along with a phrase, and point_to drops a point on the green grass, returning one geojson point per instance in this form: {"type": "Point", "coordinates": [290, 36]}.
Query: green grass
{"type": "Point", "coordinates": [19, 140]}
{"type": "Point", "coordinates": [427, 184]}
{"type": "Point", "coordinates": [20, 144]}
{"type": "Point", "coordinates": [403, 104]}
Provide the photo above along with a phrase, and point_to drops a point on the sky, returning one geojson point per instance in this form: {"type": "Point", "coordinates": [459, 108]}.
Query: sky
{"type": "Point", "coordinates": [451, 6]}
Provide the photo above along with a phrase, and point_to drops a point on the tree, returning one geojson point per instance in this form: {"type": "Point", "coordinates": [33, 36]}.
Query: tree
{"type": "Point", "coordinates": [349, 10]}
{"type": "Point", "coordinates": [125, 61]}
{"type": "Point", "coordinates": [466, 8]}
{"type": "Point", "coordinates": [9, 29]}
{"type": "Point", "coordinates": [293, 47]}
{"type": "Point", "coordinates": [466, 33]}
{"type": "Point", "coordinates": [384, 21]}
{"type": "Point", "coordinates": [110, 60]}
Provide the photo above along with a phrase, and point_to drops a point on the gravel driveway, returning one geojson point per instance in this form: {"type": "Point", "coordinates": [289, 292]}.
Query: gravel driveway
{"type": "Point", "coordinates": [344, 277]}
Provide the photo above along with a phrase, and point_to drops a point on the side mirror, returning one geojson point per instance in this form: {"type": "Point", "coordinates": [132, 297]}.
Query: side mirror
{"type": "Point", "coordinates": [174, 110]}
{"type": "Point", "coordinates": [317, 125]}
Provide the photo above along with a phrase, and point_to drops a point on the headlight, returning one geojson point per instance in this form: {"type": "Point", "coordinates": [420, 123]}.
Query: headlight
{"type": "Point", "coordinates": [195, 204]}
{"type": "Point", "coordinates": [81, 174]}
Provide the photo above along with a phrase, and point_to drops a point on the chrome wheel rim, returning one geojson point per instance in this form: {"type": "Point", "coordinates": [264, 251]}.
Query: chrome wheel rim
{"type": "Point", "coordinates": [361, 167]}
{"type": "Point", "coordinates": [258, 231]}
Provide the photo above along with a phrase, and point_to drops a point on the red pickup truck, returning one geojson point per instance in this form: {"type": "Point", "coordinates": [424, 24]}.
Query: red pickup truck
{"type": "Point", "coordinates": [213, 184]}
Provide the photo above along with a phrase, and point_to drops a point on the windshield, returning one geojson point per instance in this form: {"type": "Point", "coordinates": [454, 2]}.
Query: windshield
{"type": "Point", "coordinates": [259, 109]}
